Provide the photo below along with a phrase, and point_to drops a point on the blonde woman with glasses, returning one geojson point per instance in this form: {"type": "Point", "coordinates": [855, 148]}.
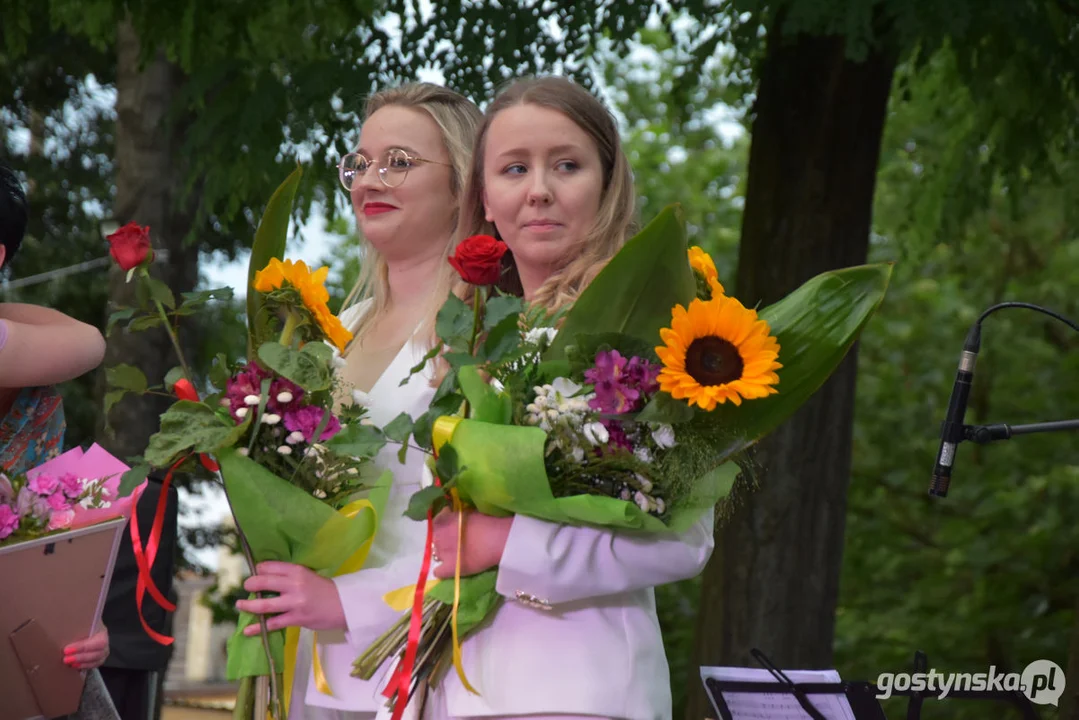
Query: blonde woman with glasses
{"type": "Point", "coordinates": [404, 180]}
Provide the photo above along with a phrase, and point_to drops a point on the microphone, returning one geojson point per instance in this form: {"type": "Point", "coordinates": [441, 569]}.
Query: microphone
{"type": "Point", "coordinates": [951, 432]}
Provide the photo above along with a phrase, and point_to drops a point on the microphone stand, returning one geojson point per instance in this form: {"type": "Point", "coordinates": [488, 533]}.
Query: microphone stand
{"type": "Point", "coordinates": [954, 432]}
{"type": "Point", "coordinates": [982, 434]}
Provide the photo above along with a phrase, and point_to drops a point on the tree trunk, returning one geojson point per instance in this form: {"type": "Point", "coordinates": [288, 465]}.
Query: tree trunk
{"type": "Point", "coordinates": [149, 177]}
{"type": "Point", "coordinates": [773, 580]}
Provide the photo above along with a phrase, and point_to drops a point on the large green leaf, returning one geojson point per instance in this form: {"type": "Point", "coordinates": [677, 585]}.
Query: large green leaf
{"type": "Point", "coordinates": [635, 292]}
{"type": "Point", "coordinates": [269, 243]}
{"type": "Point", "coordinates": [488, 403]}
{"type": "Point", "coordinates": [308, 367]}
{"type": "Point", "coordinates": [191, 427]}
{"type": "Point", "coordinates": [815, 326]}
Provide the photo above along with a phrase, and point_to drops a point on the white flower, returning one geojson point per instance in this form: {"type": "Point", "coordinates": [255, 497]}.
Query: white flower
{"type": "Point", "coordinates": [624, 495]}
{"type": "Point", "coordinates": [242, 452]}
{"type": "Point", "coordinates": [339, 362]}
{"type": "Point", "coordinates": [284, 397]}
{"type": "Point", "coordinates": [535, 335]}
{"type": "Point", "coordinates": [642, 501]}
{"type": "Point", "coordinates": [664, 436]}
{"type": "Point", "coordinates": [241, 413]}
{"type": "Point", "coordinates": [578, 454]}
{"type": "Point", "coordinates": [661, 507]}
{"type": "Point", "coordinates": [361, 398]}
{"type": "Point", "coordinates": [645, 483]}
{"type": "Point", "coordinates": [643, 454]}
{"type": "Point", "coordinates": [251, 400]}
{"type": "Point", "coordinates": [271, 419]}
{"type": "Point", "coordinates": [353, 471]}
{"type": "Point", "coordinates": [596, 433]}
{"type": "Point", "coordinates": [320, 494]}
{"type": "Point", "coordinates": [284, 450]}
{"type": "Point", "coordinates": [564, 389]}
{"type": "Point", "coordinates": [294, 437]}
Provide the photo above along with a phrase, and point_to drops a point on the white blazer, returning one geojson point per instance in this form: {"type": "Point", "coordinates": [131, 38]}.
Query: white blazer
{"type": "Point", "coordinates": [578, 633]}
{"type": "Point", "coordinates": [395, 557]}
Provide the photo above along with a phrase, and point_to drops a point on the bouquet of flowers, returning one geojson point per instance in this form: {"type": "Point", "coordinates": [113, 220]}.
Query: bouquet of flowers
{"type": "Point", "coordinates": [631, 411]}
{"type": "Point", "coordinates": [296, 470]}
{"type": "Point", "coordinates": [74, 490]}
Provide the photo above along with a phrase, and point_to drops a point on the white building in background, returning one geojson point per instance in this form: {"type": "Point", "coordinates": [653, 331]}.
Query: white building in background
{"type": "Point", "coordinates": [199, 652]}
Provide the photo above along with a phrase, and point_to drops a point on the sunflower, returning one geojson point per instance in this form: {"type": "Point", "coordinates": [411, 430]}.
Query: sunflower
{"type": "Point", "coordinates": [312, 288]}
{"type": "Point", "coordinates": [705, 269]}
{"type": "Point", "coordinates": [717, 350]}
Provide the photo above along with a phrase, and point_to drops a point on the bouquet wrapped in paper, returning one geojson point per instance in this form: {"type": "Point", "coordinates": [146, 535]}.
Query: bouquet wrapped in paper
{"type": "Point", "coordinates": [74, 490]}
{"type": "Point", "coordinates": [632, 411]}
{"type": "Point", "coordinates": [295, 468]}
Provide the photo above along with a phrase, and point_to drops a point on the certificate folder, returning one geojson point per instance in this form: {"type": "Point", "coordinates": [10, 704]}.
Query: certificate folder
{"type": "Point", "coordinates": [52, 592]}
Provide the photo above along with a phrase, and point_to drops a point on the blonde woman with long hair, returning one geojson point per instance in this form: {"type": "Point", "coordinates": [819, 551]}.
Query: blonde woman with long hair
{"type": "Point", "coordinates": [578, 636]}
{"type": "Point", "coordinates": [404, 180]}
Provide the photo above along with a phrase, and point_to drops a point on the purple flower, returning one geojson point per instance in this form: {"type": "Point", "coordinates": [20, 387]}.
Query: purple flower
{"type": "Point", "coordinates": [44, 485]}
{"type": "Point", "coordinates": [249, 382]}
{"type": "Point", "coordinates": [620, 384]}
{"type": "Point", "coordinates": [307, 419]}
{"type": "Point", "coordinates": [9, 521]}
{"type": "Point", "coordinates": [30, 504]}
{"type": "Point", "coordinates": [617, 438]}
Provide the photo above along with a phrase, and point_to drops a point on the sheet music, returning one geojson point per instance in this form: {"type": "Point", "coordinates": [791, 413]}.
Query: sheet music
{"type": "Point", "coordinates": [777, 706]}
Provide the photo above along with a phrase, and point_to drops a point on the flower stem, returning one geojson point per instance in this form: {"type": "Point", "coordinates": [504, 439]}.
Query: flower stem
{"type": "Point", "coordinates": [175, 340]}
{"type": "Point", "coordinates": [276, 699]}
{"type": "Point", "coordinates": [477, 318]}
{"type": "Point", "coordinates": [292, 322]}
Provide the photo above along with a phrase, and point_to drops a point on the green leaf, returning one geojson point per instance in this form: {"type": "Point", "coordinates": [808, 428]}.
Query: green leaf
{"type": "Point", "coordinates": [488, 404]}
{"type": "Point", "coordinates": [635, 291]}
{"type": "Point", "coordinates": [116, 317]}
{"type": "Point", "coordinates": [663, 408]}
{"type": "Point", "coordinates": [160, 292]}
{"type": "Point", "coordinates": [195, 300]}
{"type": "Point", "coordinates": [458, 360]}
{"type": "Point", "coordinates": [399, 428]}
{"type": "Point", "coordinates": [358, 440]}
{"type": "Point", "coordinates": [504, 338]}
{"type": "Point", "coordinates": [418, 367]}
{"type": "Point", "coordinates": [499, 308]}
{"type": "Point", "coordinates": [422, 428]}
{"type": "Point", "coordinates": [191, 427]}
{"type": "Point", "coordinates": [172, 377]}
{"type": "Point", "coordinates": [269, 243]}
{"type": "Point", "coordinates": [111, 398]}
{"type": "Point", "coordinates": [453, 324]}
{"type": "Point", "coordinates": [446, 387]}
{"type": "Point", "coordinates": [815, 326]}
{"type": "Point", "coordinates": [446, 465]}
{"type": "Point", "coordinates": [144, 323]}
{"type": "Point", "coordinates": [219, 371]}
{"type": "Point", "coordinates": [308, 367]}
{"type": "Point", "coordinates": [424, 501]}
{"type": "Point", "coordinates": [126, 377]}
{"type": "Point", "coordinates": [132, 479]}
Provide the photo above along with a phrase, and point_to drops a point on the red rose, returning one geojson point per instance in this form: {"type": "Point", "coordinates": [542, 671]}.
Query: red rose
{"type": "Point", "coordinates": [130, 245]}
{"type": "Point", "coordinates": [478, 259]}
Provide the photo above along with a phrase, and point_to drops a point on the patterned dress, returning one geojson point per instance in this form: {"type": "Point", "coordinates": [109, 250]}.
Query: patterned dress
{"type": "Point", "coordinates": [31, 433]}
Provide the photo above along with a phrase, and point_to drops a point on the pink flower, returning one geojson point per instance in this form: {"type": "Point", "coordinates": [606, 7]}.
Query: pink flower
{"type": "Point", "coordinates": [620, 384]}
{"type": "Point", "coordinates": [44, 485]}
{"type": "Point", "coordinates": [307, 419]}
{"type": "Point", "coordinates": [61, 520]}
{"type": "Point", "coordinates": [7, 493]}
{"type": "Point", "coordinates": [30, 504]}
{"type": "Point", "coordinates": [71, 485]}
{"type": "Point", "coordinates": [57, 502]}
{"type": "Point", "coordinates": [9, 521]}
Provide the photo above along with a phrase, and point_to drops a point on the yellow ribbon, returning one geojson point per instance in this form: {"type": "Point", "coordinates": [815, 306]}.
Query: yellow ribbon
{"type": "Point", "coordinates": [292, 634]}
{"type": "Point", "coordinates": [442, 431]}
{"type": "Point", "coordinates": [457, 663]}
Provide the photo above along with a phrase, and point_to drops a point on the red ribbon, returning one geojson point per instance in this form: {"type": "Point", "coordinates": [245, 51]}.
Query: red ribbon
{"type": "Point", "coordinates": [401, 681]}
{"type": "Point", "coordinates": [144, 559]}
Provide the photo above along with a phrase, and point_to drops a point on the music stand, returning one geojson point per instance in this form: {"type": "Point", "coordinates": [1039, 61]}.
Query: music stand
{"type": "Point", "coordinates": [861, 696]}
{"type": "Point", "coordinates": [917, 697]}
{"type": "Point", "coordinates": [53, 592]}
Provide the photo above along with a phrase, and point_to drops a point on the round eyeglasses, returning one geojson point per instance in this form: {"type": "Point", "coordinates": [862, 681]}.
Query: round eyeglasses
{"type": "Point", "coordinates": [393, 167]}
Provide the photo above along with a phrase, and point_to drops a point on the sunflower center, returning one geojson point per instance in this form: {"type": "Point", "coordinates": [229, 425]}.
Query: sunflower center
{"type": "Point", "coordinates": [712, 360]}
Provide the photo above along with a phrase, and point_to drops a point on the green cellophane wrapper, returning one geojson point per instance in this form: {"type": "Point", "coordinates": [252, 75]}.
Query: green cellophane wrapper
{"type": "Point", "coordinates": [283, 522]}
